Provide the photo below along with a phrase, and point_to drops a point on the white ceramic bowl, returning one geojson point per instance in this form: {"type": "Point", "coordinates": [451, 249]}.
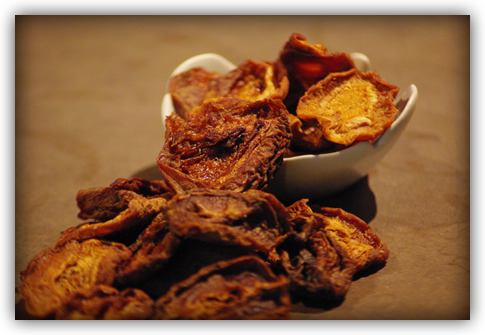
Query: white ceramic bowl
{"type": "Point", "coordinates": [314, 176]}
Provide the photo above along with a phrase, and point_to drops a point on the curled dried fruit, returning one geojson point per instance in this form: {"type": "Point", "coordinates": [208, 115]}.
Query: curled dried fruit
{"type": "Point", "coordinates": [152, 250]}
{"type": "Point", "coordinates": [251, 80]}
{"type": "Point", "coordinates": [307, 64]}
{"type": "Point", "coordinates": [325, 250]}
{"type": "Point", "coordinates": [350, 106]}
{"type": "Point", "coordinates": [138, 214]}
{"type": "Point", "coordinates": [308, 137]}
{"type": "Point", "coordinates": [354, 237]}
{"type": "Point", "coordinates": [242, 288]}
{"type": "Point", "coordinates": [147, 188]}
{"type": "Point", "coordinates": [105, 203]}
{"type": "Point", "coordinates": [103, 302]}
{"type": "Point", "coordinates": [316, 271]}
{"type": "Point", "coordinates": [252, 219]}
{"type": "Point", "coordinates": [56, 273]}
{"type": "Point", "coordinates": [102, 203]}
{"type": "Point", "coordinates": [228, 144]}
{"type": "Point", "coordinates": [190, 256]}
{"type": "Point", "coordinates": [189, 89]}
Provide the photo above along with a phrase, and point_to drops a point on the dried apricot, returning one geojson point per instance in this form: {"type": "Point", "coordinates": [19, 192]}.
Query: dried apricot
{"type": "Point", "coordinates": [350, 106]}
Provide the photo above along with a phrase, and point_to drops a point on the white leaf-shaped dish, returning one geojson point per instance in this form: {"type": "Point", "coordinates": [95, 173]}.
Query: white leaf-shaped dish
{"type": "Point", "coordinates": [314, 176]}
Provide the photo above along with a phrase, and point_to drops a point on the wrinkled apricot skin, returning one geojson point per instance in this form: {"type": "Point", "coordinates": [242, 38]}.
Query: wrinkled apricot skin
{"type": "Point", "coordinates": [251, 81]}
{"type": "Point", "coordinates": [227, 144]}
{"type": "Point", "coordinates": [242, 288]}
{"type": "Point", "coordinates": [55, 273]}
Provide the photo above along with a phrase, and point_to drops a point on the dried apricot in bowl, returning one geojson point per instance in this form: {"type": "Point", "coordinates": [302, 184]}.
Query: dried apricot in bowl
{"type": "Point", "coordinates": [251, 81]}
{"type": "Point", "coordinates": [307, 64]}
{"type": "Point", "coordinates": [350, 106]}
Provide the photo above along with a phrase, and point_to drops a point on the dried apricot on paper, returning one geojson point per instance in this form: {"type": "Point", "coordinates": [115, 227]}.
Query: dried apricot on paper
{"type": "Point", "coordinates": [350, 106]}
{"type": "Point", "coordinates": [316, 269]}
{"type": "Point", "coordinates": [325, 250]}
{"type": "Point", "coordinates": [139, 212]}
{"type": "Point", "coordinates": [56, 273]}
{"type": "Point", "coordinates": [238, 289]}
{"type": "Point", "coordinates": [354, 238]}
{"type": "Point", "coordinates": [103, 302]}
{"type": "Point", "coordinates": [253, 219]}
{"type": "Point", "coordinates": [153, 248]}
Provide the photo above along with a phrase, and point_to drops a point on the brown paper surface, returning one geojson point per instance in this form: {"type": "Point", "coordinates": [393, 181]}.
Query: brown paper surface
{"type": "Point", "coordinates": [88, 96]}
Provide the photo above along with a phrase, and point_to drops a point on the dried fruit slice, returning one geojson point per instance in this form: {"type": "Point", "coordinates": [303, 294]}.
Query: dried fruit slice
{"type": "Point", "coordinates": [350, 106]}
{"type": "Point", "coordinates": [326, 249]}
{"type": "Point", "coordinates": [317, 272]}
{"type": "Point", "coordinates": [242, 288]}
{"type": "Point", "coordinates": [147, 188]}
{"type": "Point", "coordinates": [151, 251]}
{"type": "Point", "coordinates": [307, 64]}
{"type": "Point", "coordinates": [190, 256]}
{"type": "Point", "coordinates": [308, 138]}
{"type": "Point", "coordinates": [189, 89]}
{"type": "Point", "coordinates": [104, 302]}
{"type": "Point", "coordinates": [352, 235]}
{"type": "Point", "coordinates": [137, 216]}
{"type": "Point", "coordinates": [102, 203]}
{"type": "Point", "coordinates": [228, 144]}
{"type": "Point", "coordinates": [252, 219]}
{"type": "Point", "coordinates": [105, 203]}
{"type": "Point", "coordinates": [55, 273]}
{"type": "Point", "coordinates": [251, 80]}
